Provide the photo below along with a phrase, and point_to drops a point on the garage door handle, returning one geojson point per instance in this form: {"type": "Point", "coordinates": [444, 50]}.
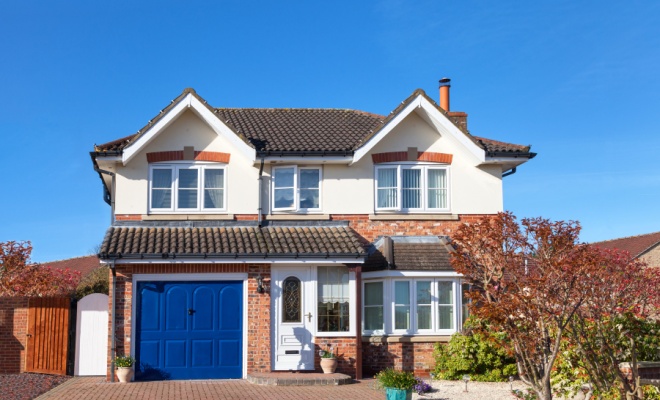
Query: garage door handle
{"type": "Point", "coordinates": [191, 311]}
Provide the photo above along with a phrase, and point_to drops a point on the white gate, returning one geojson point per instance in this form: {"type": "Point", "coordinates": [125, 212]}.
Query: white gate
{"type": "Point", "coordinates": [92, 335]}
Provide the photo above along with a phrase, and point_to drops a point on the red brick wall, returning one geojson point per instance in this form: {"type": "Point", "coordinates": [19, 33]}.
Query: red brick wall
{"type": "Point", "coordinates": [414, 357]}
{"type": "Point", "coordinates": [345, 350]}
{"type": "Point", "coordinates": [13, 330]}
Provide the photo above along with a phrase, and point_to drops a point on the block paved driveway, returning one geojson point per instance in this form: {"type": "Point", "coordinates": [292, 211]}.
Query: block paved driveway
{"type": "Point", "coordinates": [96, 388]}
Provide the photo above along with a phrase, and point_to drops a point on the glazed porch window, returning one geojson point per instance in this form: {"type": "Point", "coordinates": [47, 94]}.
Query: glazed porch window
{"type": "Point", "coordinates": [333, 299]}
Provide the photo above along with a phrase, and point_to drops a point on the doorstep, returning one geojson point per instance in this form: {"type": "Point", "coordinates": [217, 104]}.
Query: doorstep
{"type": "Point", "coordinates": [298, 379]}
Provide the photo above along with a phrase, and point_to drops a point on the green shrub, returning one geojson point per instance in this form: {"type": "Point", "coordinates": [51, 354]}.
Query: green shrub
{"type": "Point", "coordinates": [96, 281]}
{"type": "Point", "coordinates": [391, 378]}
{"type": "Point", "coordinates": [474, 353]}
{"type": "Point", "coordinates": [124, 361]}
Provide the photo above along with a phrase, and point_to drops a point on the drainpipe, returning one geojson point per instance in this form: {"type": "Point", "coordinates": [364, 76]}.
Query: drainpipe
{"type": "Point", "coordinates": [509, 172]}
{"type": "Point", "coordinates": [107, 196]}
{"type": "Point", "coordinates": [113, 307]}
{"type": "Point", "coordinates": [358, 336]}
{"type": "Point", "coordinates": [261, 172]}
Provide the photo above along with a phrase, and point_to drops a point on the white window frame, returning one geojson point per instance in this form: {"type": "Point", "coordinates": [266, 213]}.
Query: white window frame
{"type": "Point", "coordinates": [424, 167]}
{"type": "Point", "coordinates": [383, 305]}
{"type": "Point", "coordinates": [352, 309]}
{"type": "Point", "coordinates": [389, 306]}
{"type": "Point", "coordinates": [296, 189]}
{"type": "Point", "coordinates": [175, 167]}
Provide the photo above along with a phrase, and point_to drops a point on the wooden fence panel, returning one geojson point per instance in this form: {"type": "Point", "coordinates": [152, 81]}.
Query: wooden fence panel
{"type": "Point", "coordinates": [48, 335]}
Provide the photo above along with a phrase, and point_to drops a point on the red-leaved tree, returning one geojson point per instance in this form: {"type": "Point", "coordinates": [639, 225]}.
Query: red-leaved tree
{"type": "Point", "coordinates": [20, 277]}
{"type": "Point", "coordinates": [532, 280]}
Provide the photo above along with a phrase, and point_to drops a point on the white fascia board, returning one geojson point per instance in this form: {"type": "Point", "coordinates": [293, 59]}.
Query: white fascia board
{"type": "Point", "coordinates": [306, 160]}
{"type": "Point", "coordinates": [411, 274]}
{"type": "Point", "coordinates": [313, 261]}
{"type": "Point", "coordinates": [441, 121]}
{"type": "Point", "coordinates": [188, 102]}
{"type": "Point", "coordinates": [100, 158]}
{"type": "Point", "coordinates": [152, 132]}
{"type": "Point", "coordinates": [221, 129]}
{"type": "Point", "coordinates": [514, 161]}
{"type": "Point", "coordinates": [366, 148]}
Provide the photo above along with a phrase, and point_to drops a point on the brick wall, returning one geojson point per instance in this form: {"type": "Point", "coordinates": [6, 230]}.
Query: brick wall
{"type": "Point", "coordinates": [258, 345]}
{"type": "Point", "coordinates": [414, 357]}
{"type": "Point", "coordinates": [13, 330]}
{"type": "Point", "coordinates": [345, 349]}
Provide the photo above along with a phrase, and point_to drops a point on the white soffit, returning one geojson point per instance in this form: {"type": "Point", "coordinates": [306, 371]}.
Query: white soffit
{"type": "Point", "coordinates": [188, 102]}
{"type": "Point", "coordinates": [434, 117]}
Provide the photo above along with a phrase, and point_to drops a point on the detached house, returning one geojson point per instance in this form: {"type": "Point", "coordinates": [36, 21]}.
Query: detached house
{"type": "Point", "coordinates": [246, 240]}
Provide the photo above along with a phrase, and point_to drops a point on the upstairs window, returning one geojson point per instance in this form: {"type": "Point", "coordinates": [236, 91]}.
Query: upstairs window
{"type": "Point", "coordinates": [412, 188]}
{"type": "Point", "coordinates": [296, 188]}
{"type": "Point", "coordinates": [187, 188]}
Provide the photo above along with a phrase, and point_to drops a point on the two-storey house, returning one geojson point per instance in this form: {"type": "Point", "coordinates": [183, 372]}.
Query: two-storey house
{"type": "Point", "coordinates": [246, 240]}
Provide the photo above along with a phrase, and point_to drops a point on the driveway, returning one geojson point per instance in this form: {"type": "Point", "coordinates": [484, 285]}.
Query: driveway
{"type": "Point", "coordinates": [87, 388]}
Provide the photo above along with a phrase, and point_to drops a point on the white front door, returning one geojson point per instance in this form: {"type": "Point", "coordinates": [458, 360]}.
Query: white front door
{"type": "Point", "coordinates": [292, 306]}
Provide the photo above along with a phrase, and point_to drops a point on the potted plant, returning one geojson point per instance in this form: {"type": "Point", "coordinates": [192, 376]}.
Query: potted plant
{"type": "Point", "coordinates": [398, 384]}
{"type": "Point", "coordinates": [328, 360]}
{"type": "Point", "coordinates": [124, 365]}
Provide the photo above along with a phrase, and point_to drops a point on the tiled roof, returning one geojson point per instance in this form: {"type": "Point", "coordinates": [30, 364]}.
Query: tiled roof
{"type": "Point", "coordinates": [411, 253]}
{"type": "Point", "coordinates": [84, 264]}
{"type": "Point", "coordinates": [635, 245]}
{"type": "Point", "coordinates": [231, 242]}
{"type": "Point", "coordinates": [307, 130]}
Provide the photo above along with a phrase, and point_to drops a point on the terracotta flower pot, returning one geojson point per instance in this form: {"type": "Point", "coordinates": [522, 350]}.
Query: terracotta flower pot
{"type": "Point", "coordinates": [125, 374]}
{"type": "Point", "coordinates": [328, 365]}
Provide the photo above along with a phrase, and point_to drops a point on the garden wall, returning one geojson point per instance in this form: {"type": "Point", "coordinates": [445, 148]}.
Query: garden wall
{"type": "Point", "coordinates": [13, 331]}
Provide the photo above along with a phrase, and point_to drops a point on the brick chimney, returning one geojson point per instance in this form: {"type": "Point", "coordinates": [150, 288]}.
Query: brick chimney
{"type": "Point", "coordinates": [458, 117]}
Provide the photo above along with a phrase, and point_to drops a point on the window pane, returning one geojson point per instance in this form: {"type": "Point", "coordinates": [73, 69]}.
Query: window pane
{"type": "Point", "coordinates": [161, 198]}
{"type": "Point", "coordinates": [373, 318]}
{"type": "Point", "coordinates": [373, 294]}
{"type": "Point", "coordinates": [402, 307]}
{"type": "Point", "coordinates": [445, 317]}
{"type": "Point", "coordinates": [283, 198]}
{"type": "Point", "coordinates": [214, 179]}
{"type": "Point", "coordinates": [309, 198]}
{"type": "Point", "coordinates": [187, 198]}
{"type": "Point", "coordinates": [333, 299]}
{"type": "Point", "coordinates": [309, 178]}
{"type": "Point", "coordinates": [411, 188]}
{"type": "Point", "coordinates": [423, 317]}
{"type": "Point", "coordinates": [214, 198]}
{"type": "Point", "coordinates": [445, 292]}
{"type": "Point", "coordinates": [283, 177]}
{"type": "Point", "coordinates": [424, 292]}
{"type": "Point", "coordinates": [188, 178]}
{"type": "Point", "coordinates": [437, 192]}
{"type": "Point", "coordinates": [162, 178]}
{"type": "Point", "coordinates": [387, 188]}
{"type": "Point", "coordinates": [291, 295]}
{"type": "Point", "coordinates": [465, 288]}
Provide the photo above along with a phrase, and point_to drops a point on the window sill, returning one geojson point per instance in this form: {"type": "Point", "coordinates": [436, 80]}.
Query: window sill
{"type": "Point", "coordinates": [413, 217]}
{"type": "Point", "coordinates": [186, 217]}
{"type": "Point", "coordinates": [309, 217]}
{"type": "Point", "coordinates": [406, 339]}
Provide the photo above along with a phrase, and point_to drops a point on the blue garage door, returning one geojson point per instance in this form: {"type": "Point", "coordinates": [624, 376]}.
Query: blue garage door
{"type": "Point", "coordinates": [189, 330]}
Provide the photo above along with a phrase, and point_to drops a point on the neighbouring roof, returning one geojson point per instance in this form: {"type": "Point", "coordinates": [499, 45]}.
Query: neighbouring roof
{"type": "Point", "coordinates": [84, 264]}
{"type": "Point", "coordinates": [307, 130]}
{"type": "Point", "coordinates": [635, 245]}
{"type": "Point", "coordinates": [410, 253]}
{"type": "Point", "coordinates": [231, 242]}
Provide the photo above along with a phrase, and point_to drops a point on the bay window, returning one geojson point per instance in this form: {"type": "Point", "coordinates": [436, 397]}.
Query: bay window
{"type": "Point", "coordinates": [296, 188]}
{"type": "Point", "coordinates": [187, 187]}
{"type": "Point", "coordinates": [412, 188]}
{"type": "Point", "coordinates": [415, 306]}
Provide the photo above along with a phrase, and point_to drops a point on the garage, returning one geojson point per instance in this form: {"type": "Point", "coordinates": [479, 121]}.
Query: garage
{"type": "Point", "coordinates": [189, 330]}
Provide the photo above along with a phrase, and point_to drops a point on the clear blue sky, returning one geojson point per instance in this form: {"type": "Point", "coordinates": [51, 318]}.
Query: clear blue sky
{"type": "Point", "coordinates": [579, 80]}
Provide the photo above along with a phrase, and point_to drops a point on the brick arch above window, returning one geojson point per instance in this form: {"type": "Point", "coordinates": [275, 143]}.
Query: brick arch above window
{"type": "Point", "coordinates": [398, 156]}
{"type": "Point", "coordinates": [175, 155]}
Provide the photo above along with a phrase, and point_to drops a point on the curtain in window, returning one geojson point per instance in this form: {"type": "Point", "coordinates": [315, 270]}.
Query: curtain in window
{"type": "Point", "coordinates": [333, 299]}
{"type": "Point", "coordinates": [187, 193]}
{"type": "Point", "coordinates": [445, 305]}
{"type": "Point", "coordinates": [424, 299]}
{"type": "Point", "coordinates": [437, 188]}
{"type": "Point", "coordinates": [214, 183]}
{"type": "Point", "coordinates": [373, 306]}
{"type": "Point", "coordinates": [283, 184]}
{"type": "Point", "coordinates": [402, 305]}
{"type": "Point", "coordinates": [309, 188]}
{"type": "Point", "coordinates": [161, 188]}
{"type": "Point", "coordinates": [411, 188]}
{"type": "Point", "coordinates": [387, 188]}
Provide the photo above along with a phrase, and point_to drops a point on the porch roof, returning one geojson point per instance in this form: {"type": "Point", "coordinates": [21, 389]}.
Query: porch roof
{"type": "Point", "coordinates": [409, 253]}
{"type": "Point", "coordinates": [216, 242]}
